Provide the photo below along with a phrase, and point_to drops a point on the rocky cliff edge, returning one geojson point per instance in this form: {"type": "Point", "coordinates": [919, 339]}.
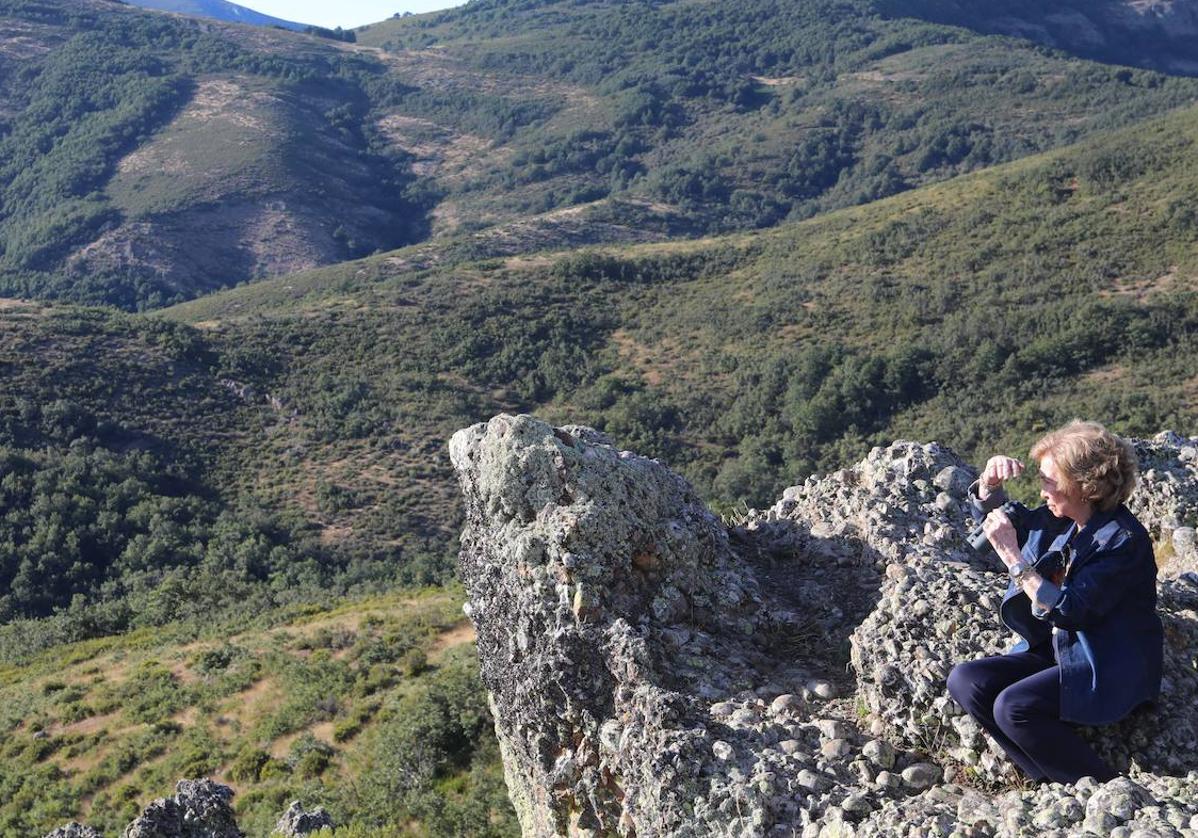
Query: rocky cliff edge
{"type": "Point", "coordinates": [653, 671]}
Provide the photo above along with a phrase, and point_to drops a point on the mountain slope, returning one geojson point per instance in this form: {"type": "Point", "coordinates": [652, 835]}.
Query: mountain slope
{"type": "Point", "coordinates": [147, 157]}
{"type": "Point", "coordinates": [741, 114]}
{"type": "Point", "coordinates": [219, 10]}
{"type": "Point", "coordinates": [151, 158]}
{"type": "Point", "coordinates": [1161, 35]}
{"type": "Point", "coordinates": [1057, 286]}
{"type": "Point", "coordinates": [368, 707]}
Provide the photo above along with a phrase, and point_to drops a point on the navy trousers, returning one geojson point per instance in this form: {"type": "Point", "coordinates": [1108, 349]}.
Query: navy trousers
{"type": "Point", "coordinates": [1017, 699]}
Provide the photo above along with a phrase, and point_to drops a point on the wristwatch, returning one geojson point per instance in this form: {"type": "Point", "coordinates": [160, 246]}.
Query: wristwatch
{"type": "Point", "coordinates": [1018, 569]}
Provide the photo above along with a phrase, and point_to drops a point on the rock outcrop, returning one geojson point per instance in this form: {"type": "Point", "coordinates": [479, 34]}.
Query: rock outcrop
{"type": "Point", "coordinates": [201, 809]}
{"type": "Point", "coordinates": [653, 672]}
{"type": "Point", "coordinates": [297, 822]}
{"type": "Point", "coordinates": [74, 830]}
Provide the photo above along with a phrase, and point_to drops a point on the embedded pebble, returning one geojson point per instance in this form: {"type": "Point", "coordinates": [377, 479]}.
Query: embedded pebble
{"type": "Point", "coordinates": [879, 752]}
{"type": "Point", "coordinates": [821, 689]}
{"type": "Point", "coordinates": [921, 775]}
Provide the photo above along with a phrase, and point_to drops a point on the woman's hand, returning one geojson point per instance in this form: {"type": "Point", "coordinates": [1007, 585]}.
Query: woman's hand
{"type": "Point", "coordinates": [1001, 533]}
{"type": "Point", "coordinates": [998, 470]}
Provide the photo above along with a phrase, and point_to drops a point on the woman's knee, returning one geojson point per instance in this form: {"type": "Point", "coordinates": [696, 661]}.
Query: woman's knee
{"type": "Point", "coordinates": [962, 684]}
{"type": "Point", "coordinates": [1013, 710]}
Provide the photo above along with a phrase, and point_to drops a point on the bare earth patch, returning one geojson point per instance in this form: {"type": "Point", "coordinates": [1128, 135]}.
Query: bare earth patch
{"type": "Point", "coordinates": [1105, 375]}
{"type": "Point", "coordinates": [85, 727]}
{"type": "Point", "coordinates": [281, 747]}
{"type": "Point", "coordinates": [1142, 290]}
{"type": "Point", "coordinates": [439, 151]}
{"type": "Point", "coordinates": [777, 81]}
{"type": "Point", "coordinates": [459, 635]}
{"type": "Point", "coordinates": [656, 363]}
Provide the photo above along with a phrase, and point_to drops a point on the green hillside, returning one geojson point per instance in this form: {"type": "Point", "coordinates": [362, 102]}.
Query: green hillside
{"type": "Point", "coordinates": [976, 312]}
{"type": "Point", "coordinates": [371, 709]}
{"type": "Point", "coordinates": [294, 443]}
{"type": "Point", "coordinates": [147, 159]}
{"type": "Point", "coordinates": [739, 114]}
{"type": "Point", "coordinates": [129, 452]}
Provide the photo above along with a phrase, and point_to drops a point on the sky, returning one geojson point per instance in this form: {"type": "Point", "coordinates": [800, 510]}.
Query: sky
{"type": "Point", "coordinates": [344, 13]}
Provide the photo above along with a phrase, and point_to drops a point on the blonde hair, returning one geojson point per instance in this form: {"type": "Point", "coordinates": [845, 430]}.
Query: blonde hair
{"type": "Point", "coordinates": [1095, 465]}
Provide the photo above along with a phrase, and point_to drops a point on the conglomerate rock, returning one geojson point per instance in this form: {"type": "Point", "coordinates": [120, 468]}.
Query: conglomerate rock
{"type": "Point", "coordinates": [1167, 497]}
{"type": "Point", "coordinates": [199, 809]}
{"type": "Point", "coordinates": [653, 673]}
{"type": "Point", "coordinates": [74, 830]}
{"type": "Point", "coordinates": [297, 821]}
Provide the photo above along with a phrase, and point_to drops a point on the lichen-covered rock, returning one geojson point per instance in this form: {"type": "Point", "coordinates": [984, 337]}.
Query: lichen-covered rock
{"type": "Point", "coordinates": [1166, 501]}
{"type": "Point", "coordinates": [199, 809]}
{"type": "Point", "coordinates": [653, 673]}
{"type": "Point", "coordinates": [901, 501]}
{"type": "Point", "coordinates": [599, 583]}
{"type": "Point", "coordinates": [74, 830]}
{"type": "Point", "coordinates": [296, 821]}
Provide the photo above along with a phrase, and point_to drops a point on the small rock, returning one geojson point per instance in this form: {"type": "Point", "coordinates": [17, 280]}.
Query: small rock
{"type": "Point", "coordinates": [835, 748]}
{"type": "Point", "coordinates": [1121, 798]}
{"type": "Point", "coordinates": [822, 689]}
{"type": "Point", "coordinates": [722, 750]}
{"type": "Point", "coordinates": [888, 780]}
{"type": "Point", "coordinates": [790, 746]}
{"type": "Point", "coordinates": [788, 703]}
{"type": "Point", "coordinates": [74, 830]}
{"type": "Point", "coordinates": [811, 781]}
{"type": "Point", "coordinates": [953, 479]}
{"type": "Point", "coordinates": [723, 709]}
{"type": "Point", "coordinates": [199, 807]}
{"type": "Point", "coordinates": [856, 804]}
{"type": "Point", "coordinates": [1099, 823]}
{"type": "Point", "coordinates": [834, 729]}
{"type": "Point", "coordinates": [879, 752]}
{"type": "Point", "coordinates": [745, 716]}
{"type": "Point", "coordinates": [922, 775]}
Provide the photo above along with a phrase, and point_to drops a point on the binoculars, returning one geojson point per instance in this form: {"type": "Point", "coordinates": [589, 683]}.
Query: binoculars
{"type": "Point", "coordinates": [977, 537]}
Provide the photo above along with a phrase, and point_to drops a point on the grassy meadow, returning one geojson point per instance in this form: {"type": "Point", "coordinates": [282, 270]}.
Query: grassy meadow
{"type": "Point", "coordinates": [369, 708]}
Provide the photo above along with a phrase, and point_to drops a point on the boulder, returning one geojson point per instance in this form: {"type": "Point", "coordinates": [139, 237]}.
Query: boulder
{"type": "Point", "coordinates": [296, 821]}
{"type": "Point", "coordinates": [654, 672]}
{"type": "Point", "coordinates": [74, 830]}
{"type": "Point", "coordinates": [199, 809]}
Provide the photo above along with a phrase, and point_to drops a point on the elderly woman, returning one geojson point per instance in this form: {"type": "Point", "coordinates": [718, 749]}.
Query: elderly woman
{"type": "Point", "coordinates": [1082, 597]}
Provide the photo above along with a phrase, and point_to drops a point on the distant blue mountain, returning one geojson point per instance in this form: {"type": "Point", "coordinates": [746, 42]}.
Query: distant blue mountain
{"type": "Point", "coordinates": [219, 9]}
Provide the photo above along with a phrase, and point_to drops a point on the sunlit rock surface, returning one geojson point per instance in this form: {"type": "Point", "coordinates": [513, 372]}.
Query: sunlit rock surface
{"type": "Point", "coordinates": [653, 672]}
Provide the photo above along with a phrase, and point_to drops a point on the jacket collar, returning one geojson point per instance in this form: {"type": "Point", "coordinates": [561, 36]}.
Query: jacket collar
{"type": "Point", "coordinates": [1094, 536]}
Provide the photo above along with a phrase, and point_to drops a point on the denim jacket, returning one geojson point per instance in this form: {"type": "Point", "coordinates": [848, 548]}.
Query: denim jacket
{"type": "Point", "coordinates": [1101, 619]}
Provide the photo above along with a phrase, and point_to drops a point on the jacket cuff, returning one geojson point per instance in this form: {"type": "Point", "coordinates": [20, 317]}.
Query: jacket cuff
{"type": "Point", "coordinates": [994, 500]}
{"type": "Point", "coordinates": [1048, 597]}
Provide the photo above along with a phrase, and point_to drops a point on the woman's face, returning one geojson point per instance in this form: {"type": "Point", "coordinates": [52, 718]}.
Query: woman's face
{"type": "Point", "coordinates": [1060, 501]}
